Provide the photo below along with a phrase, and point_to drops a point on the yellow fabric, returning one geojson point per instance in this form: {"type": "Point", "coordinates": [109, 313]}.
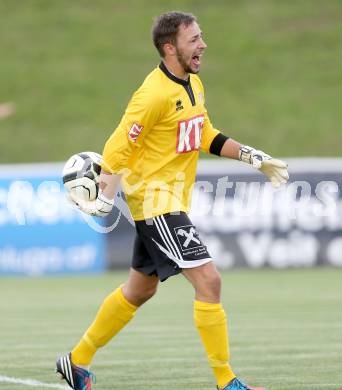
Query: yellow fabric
{"type": "Point", "coordinates": [211, 322]}
{"type": "Point", "coordinates": [114, 313]}
{"type": "Point", "coordinates": [157, 143]}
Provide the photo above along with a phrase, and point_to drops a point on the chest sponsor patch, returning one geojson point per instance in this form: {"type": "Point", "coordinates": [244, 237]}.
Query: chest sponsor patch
{"type": "Point", "coordinates": [134, 131]}
{"type": "Point", "coordinates": [189, 134]}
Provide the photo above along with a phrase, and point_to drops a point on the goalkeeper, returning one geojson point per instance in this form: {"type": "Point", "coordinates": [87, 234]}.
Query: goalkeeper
{"type": "Point", "coordinates": [154, 152]}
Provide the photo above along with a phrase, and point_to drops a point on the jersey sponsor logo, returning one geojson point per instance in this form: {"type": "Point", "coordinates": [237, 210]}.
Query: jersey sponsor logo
{"type": "Point", "coordinates": [179, 105]}
{"type": "Point", "coordinates": [189, 134]}
{"type": "Point", "coordinates": [134, 132]}
{"type": "Point", "coordinates": [187, 237]}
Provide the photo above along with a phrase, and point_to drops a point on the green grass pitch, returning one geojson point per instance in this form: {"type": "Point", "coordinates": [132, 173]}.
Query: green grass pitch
{"type": "Point", "coordinates": [285, 331]}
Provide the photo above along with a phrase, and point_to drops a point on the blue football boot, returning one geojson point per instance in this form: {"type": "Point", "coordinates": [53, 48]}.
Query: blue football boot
{"type": "Point", "coordinates": [76, 377]}
{"type": "Point", "coordinates": [236, 384]}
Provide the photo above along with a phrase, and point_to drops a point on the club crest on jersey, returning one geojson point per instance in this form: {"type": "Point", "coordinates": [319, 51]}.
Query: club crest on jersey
{"type": "Point", "coordinates": [189, 134]}
{"type": "Point", "coordinates": [134, 132]}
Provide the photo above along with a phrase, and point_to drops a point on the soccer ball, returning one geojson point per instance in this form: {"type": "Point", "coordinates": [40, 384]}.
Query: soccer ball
{"type": "Point", "coordinates": [81, 175]}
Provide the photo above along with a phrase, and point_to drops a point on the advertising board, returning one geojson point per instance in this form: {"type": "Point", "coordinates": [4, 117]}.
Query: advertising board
{"type": "Point", "coordinates": [40, 233]}
{"type": "Point", "coordinates": [246, 223]}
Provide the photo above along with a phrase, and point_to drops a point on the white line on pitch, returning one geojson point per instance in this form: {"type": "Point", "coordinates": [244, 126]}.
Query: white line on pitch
{"type": "Point", "coordinates": [31, 382]}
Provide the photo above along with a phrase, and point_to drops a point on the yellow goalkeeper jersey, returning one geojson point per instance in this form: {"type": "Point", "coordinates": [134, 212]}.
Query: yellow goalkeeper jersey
{"type": "Point", "coordinates": [156, 145]}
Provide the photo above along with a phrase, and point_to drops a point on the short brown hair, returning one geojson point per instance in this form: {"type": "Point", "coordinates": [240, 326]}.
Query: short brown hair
{"type": "Point", "coordinates": [165, 28]}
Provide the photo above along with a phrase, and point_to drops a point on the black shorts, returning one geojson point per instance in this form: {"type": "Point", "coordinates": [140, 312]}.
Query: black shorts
{"type": "Point", "coordinates": [166, 244]}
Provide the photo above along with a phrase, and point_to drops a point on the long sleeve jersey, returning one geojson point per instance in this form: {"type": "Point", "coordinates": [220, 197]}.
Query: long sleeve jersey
{"type": "Point", "coordinates": [157, 142]}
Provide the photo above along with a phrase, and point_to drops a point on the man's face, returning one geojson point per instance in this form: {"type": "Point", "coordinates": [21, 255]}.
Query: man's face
{"type": "Point", "coordinates": [190, 47]}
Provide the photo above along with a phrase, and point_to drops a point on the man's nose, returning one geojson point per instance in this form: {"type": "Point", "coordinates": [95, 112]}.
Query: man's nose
{"type": "Point", "coordinates": [203, 45]}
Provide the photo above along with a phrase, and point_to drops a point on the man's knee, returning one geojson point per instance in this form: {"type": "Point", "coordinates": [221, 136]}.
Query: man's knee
{"type": "Point", "coordinates": [137, 295]}
{"type": "Point", "coordinates": [148, 292]}
{"type": "Point", "coordinates": [212, 285]}
{"type": "Point", "coordinates": [206, 281]}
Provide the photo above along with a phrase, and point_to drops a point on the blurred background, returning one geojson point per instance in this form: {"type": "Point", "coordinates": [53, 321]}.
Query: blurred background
{"type": "Point", "coordinates": [272, 72]}
{"type": "Point", "coordinates": [273, 80]}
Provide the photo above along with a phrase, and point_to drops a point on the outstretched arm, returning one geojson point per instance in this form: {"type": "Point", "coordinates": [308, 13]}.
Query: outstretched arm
{"type": "Point", "coordinates": [231, 149]}
{"type": "Point", "coordinates": [274, 169]}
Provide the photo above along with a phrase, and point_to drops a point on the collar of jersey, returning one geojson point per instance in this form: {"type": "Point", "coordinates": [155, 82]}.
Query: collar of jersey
{"type": "Point", "coordinates": [171, 76]}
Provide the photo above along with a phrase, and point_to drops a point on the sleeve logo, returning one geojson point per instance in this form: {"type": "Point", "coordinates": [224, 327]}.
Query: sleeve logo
{"type": "Point", "coordinates": [134, 132]}
{"type": "Point", "coordinates": [189, 134]}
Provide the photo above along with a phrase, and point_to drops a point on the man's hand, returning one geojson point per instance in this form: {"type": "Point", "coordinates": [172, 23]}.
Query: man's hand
{"type": "Point", "coordinates": [275, 170]}
{"type": "Point", "coordinates": [100, 207]}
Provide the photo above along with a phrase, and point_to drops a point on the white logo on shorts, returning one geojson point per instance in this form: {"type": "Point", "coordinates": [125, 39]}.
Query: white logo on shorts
{"type": "Point", "coordinates": [187, 237]}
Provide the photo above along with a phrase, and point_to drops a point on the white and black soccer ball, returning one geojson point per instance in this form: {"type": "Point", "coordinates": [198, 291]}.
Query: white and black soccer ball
{"type": "Point", "coordinates": [81, 175]}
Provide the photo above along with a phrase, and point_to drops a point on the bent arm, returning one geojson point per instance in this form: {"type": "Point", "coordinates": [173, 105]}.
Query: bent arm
{"type": "Point", "coordinates": [104, 202]}
{"type": "Point", "coordinates": [109, 183]}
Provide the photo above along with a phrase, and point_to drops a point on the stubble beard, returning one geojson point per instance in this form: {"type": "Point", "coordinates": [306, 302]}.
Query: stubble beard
{"type": "Point", "coordinates": [187, 68]}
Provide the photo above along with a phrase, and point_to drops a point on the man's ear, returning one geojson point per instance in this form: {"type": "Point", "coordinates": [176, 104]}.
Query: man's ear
{"type": "Point", "coordinates": [169, 49]}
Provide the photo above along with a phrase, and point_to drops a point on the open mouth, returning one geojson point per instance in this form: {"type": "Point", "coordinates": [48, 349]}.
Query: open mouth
{"type": "Point", "coordinates": [196, 60]}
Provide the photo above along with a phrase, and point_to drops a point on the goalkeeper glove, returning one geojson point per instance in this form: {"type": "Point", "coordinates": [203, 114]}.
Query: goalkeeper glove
{"type": "Point", "coordinates": [99, 207]}
{"type": "Point", "coordinates": [275, 170]}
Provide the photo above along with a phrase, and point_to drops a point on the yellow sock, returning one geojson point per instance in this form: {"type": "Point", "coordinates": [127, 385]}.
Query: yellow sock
{"type": "Point", "coordinates": [211, 322]}
{"type": "Point", "coordinates": [115, 312]}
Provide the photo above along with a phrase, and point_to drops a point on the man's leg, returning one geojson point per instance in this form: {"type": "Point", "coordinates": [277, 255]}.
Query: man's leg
{"type": "Point", "coordinates": [115, 312]}
{"type": "Point", "coordinates": [210, 319]}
